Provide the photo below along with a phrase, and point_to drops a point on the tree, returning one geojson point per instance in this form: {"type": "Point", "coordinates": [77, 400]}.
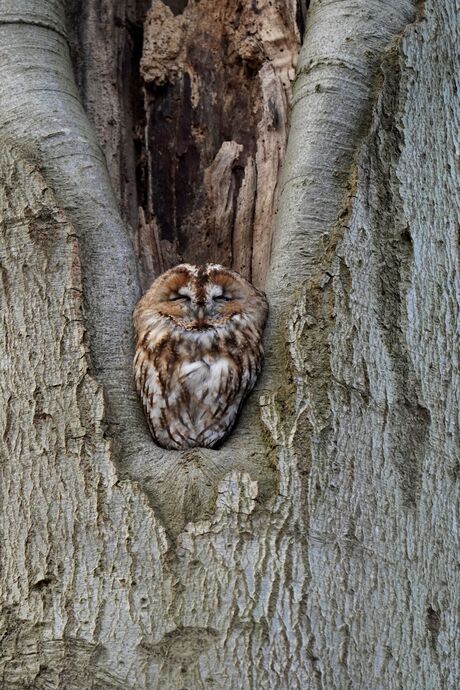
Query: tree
{"type": "Point", "coordinates": [317, 548]}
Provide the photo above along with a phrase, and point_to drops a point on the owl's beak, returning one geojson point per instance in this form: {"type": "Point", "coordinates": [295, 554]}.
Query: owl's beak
{"type": "Point", "coordinates": [198, 312]}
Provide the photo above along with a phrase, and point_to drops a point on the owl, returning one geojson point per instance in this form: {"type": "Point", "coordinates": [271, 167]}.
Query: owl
{"type": "Point", "coordinates": [198, 353]}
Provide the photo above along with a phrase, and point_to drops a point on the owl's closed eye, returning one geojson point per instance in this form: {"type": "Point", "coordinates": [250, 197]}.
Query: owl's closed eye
{"type": "Point", "coordinates": [198, 352]}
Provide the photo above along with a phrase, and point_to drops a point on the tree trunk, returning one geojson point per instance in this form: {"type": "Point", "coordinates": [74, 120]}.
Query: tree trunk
{"type": "Point", "coordinates": [317, 548]}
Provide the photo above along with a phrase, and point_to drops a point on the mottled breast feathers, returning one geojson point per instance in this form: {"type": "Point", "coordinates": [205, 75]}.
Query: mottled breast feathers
{"type": "Point", "coordinates": [198, 353]}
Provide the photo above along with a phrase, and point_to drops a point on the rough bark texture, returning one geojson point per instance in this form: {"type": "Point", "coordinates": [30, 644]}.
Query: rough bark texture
{"type": "Point", "coordinates": [376, 345]}
{"type": "Point", "coordinates": [346, 575]}
{"type": "Point", "coordinates": [195, 130]}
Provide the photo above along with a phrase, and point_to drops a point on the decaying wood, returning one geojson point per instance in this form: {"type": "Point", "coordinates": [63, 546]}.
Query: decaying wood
{"type": "Point", "coordinates": [345, 575]}
{"type": "Point", "coordinates": [217, 87]}
{"type": "Point", "coordinates": [216, 77]}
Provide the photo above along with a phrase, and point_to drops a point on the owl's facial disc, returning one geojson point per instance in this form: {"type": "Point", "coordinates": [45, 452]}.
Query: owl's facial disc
{"type": "Point", "coordinates": [200, 297]}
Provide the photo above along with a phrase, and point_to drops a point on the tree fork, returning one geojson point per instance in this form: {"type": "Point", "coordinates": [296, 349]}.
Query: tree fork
{"type": "Point", "coordinates": [343, 572]}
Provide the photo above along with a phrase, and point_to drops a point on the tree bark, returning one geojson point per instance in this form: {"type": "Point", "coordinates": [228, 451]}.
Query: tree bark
{"type": "Point", "coordinates": [317, 548]}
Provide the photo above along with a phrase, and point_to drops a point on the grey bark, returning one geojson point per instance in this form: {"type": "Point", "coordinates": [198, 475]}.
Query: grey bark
{"type": "Point", "coordinates": [343, 572]}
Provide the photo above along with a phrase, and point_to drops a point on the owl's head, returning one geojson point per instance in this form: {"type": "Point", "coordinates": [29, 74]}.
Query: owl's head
{"type": "Point", "coordinates": [200, 297]}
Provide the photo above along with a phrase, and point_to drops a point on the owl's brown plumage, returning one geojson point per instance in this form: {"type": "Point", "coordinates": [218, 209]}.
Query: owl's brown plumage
{"type": "Point", "coordinates": [198, 352]}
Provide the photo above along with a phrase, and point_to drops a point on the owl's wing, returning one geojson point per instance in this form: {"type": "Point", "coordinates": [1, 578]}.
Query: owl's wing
{"type": "Point", "coordinates": [169, 398]}
{"type": "Point", "coordinates": [149, 389]}
{"type": "Point", "coordinates": [228, 384]}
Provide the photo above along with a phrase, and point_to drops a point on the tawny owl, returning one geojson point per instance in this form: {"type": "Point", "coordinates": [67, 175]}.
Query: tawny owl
{"type": "Point", "coordinates": [198, 352]}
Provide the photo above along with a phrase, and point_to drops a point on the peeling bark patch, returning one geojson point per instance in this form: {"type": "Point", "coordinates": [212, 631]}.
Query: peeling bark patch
{"type": "Point", "coordinates": [67, 663]}
{"type": "Point", "coordinates": [433, 624]}
{"type": "Point", "coordinates": [183, 645]}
